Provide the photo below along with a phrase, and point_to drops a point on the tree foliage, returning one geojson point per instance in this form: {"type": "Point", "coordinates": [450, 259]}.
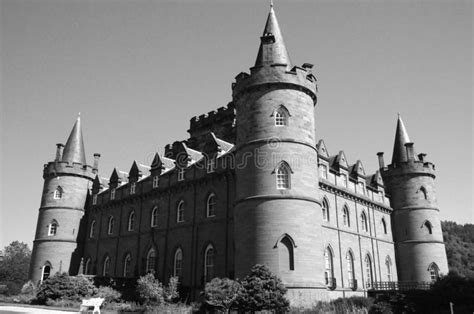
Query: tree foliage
{"type": "Point", "coordinates": [152, 292]}
{"type": "Point", "coordinates": [14, 267]}
{"type": "Point", "coordinates": [262, 290]}
{"type": "Point", "coordinates": [222, 293]}
{"type": "Point", "coordinates": [65, 287]}
{"type": "Point", "coordinates": [459, 241]}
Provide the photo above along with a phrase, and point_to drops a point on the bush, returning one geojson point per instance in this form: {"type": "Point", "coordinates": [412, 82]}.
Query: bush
{"type": "Point", "coordinates": [29, 288]}
{"type": "Point", "coordinates": [150, 290]}
{"type": "Point", "coordinates": [109, 294]}
{"type": "Point", "coordinates": [222, 293]}
{"type": "Point", "coordinates": [262, 290]}
{"type": "Point", "coordinates": [65, 287]}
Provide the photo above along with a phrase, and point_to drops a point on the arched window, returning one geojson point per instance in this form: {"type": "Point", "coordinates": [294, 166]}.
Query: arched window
{"type": "Point", "coordinates": [384, 226]}
{"type": "Point", "coordinates": [345, 216]}
{"type": "Point", "coordinates": [87, 267]}
{"type": "Point", "coordinates": [131, 221]}
{"type": "Point", "coordinates": [154, 217]}
{"type": "Point", "coordinates": [127, 265]}
{"type": "Point", "coordinates": [428, 226]}
{"type": "Point", "coordinates": [58, 193]}
{"type": "Point", "coordinates": [45, 271]}
{"type": "Point", "coordinates": [281, 116]}
{"type": "Point", "coordinates": [363, 222]}
{"type": "Point", "coordinates": [286, 253]}
{"type": "Point", "coordinates": [283, 176]}
{"type": "Point", "coordinates": [209, 259]}
{"type": "Point", "coordinates": [350, 270]}
{"type": "Point", "coordinates": [92, 229]}
{"type": "Point", "coordinates": [211, 206]}
{"type": "Point", "coordinates": [368, 271]}
{"type": "Point", "coordinates": [329, 268]}
{"type": "Point", "coordinates": [110, 225]}
{"type": "Point", "coordinates": [434, 271]}
{"type": "Point", "coordinates": [388, 264]}
{"type": "Point", "coordinates": [178, 263]}
{"type": "Point", "coordinates": [424, 193]}
{"type": "Point", "coordinates": [53, 228]}
{"type": "Point", "coordinates": [325, 209]}
{"type": "Point", "coordinates": [151, 261]}
{"type": "Point", "coordinates": [106, 267]}
{"type": "Point", "coordinates": [180, 212]}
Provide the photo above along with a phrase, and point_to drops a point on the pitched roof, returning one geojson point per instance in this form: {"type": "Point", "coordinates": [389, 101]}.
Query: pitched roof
{"type": "Point", "coordinates": [74, 148]}
{"type": "Point", "coordinates": [401, 138]}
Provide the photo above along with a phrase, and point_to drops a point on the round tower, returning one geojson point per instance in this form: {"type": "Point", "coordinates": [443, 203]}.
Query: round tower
{"type": "Point", "coordinates": [409, 179]}
{"type": "Point", "coordinates": [65, 190]}
{"type": "Point", "coordinates": [277, 199]}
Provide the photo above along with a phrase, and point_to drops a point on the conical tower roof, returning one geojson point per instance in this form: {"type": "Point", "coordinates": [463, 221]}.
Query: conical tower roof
{"type": "Point", "coordinates": [272, 46]}
{"type": "Point", "coordinates": [401, 138]}
{"type": "Point", "coordinates": [74, 148]}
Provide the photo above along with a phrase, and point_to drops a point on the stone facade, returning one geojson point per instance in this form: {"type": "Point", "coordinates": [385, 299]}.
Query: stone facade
{"type": "Point", "coordinates": [251, 185]}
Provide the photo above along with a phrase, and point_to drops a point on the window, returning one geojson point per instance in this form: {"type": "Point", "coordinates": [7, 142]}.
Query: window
{"type": "Point", "coordinates": [87, 268]}
{"type": "Point", "coordinates": [323, 171]}
{"type": "Point", "coordinates": [180, 212]}
{"type": "Point", "coordinates": [345, 216]}
{"type": "Point", "coordinates": [344, 180]}
{"type": "Point", "coordinates": [180, 174]}
{"type": "Point", "coordinates": [424, 193]}
{"type": "Point", "coordinates": [92, 229]}
{"type": "Point", "coordinates": [178, 263]}
{"type": "Point", "coordinates": [361, 188]}
{"type": "Point", "coordinates": [112, 194]}
{"type": "Point", "coordinates": [281, 117]}
{"type": "Point", "coordinates": [110, 225]}
{"type": "Point", "coordinates": [211, 165]}
{"type": "Point", "coordinates": [363, 222]}
{"type": "Point", "coordinates": [106, 267]}
{"type": "Point", "coordinates": [428, 227]}
{"type": "Point", "coordinates": [151, 261]}
{"type": "Point", "coordinates": [52, 228]}
{"type": "Point", "coordinates": [283, 177]}
{"type": "Point", "coordinates": [211, 206]}
{"type": "Point", "coordinates": [209, 255]}
{"type": "Point", "coordinates": [133, 186]}
{"type": "Point", "coordinates": [155, 181]}
{"type": "Point", "coordinates": [350, 270]}
{"type": "Point", "coordinates": [94, 199]}
{"type": "Point", "coordinates": [384, 226]}
{"type": "Point", "coordinates": [154, 216]}
{"type": "Point", "coordinates": [434, 271]}
{"type": "Point", "coordinates": [388, 264]}
{"type": "Point", "coordinates": [131, 221]}
{"type": "Point", "coordinates": [286, 254]}
{"type": "Point", "coordinates": [127, 264]}
{"type": "Point", "coordinates": [329, 269]}
{"type": "Point", "coordinates": [325, 209]}
{"type": "Point", "coordinates": [368, 271]}
{"type": "Point", "coordinates": [58, 193]}
{"type": "Point", "coordinates": [46, 271]}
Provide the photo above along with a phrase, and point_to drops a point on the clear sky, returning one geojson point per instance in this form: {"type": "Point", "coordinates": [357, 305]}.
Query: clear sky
{"type": "Point", "coordinates": [139, 70]}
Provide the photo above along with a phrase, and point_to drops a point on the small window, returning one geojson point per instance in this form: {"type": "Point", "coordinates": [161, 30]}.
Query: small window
{"type": "Point", "coordinates": [155, 181]}
{"type": "Point", "coordinates": [283, 176]}
{"type": "Point", "coordinates": [345, 216]}
{"type": "Point", "coordinates": [211, 206]}
{"type": "Point", "coordinates": [133, 186]}
{"type": "Point", "coordinates": [151, 261]}
{"type": "Point", "coordinates": [363, 222]}
{"type": "Point", "coordinates": [112, 194]}
{"type": "Point", "coordinates": [211, 165]}
{"type": "Point", "coordinates": [434, 271]}
{"type": "Point", "coordinates": [209, 256]}
{"type": "Point", "coordinates": [286, 254]}
{"type": "Point", "coordinates": [92, 229]}
{"type": "Point", "coordinates": [329, 268]}
{"type": "Point", "coordinates": [127, 265]}
{"type": "Point", "coordinates": [423, 193]}
{"type": "Point", "coordinates": [110, 225]}
{"type": "Point", "coordinates": [46, 272]}
{"type": "Point", "coordinates": [178, 263]}
{"type": "Point", "coordinates": [180, 174]}
{"type": "Point", "coordinates": [88, 267]}
{"type": "Point", "coordinates": [281, 117]}
{"type": "Point", "coordinates": [106, 267]}
{"type": "Point", "coordinates": [350, 269]}
{"type": "Point", "coordinates": [58, 193]}
{"type": "Point", "coordinates": [52, 228]}
{"type": "Point", "coordinates": [344, 180]}
{"type": "Point", "coordinates": [384, 226]}
{"type": "Point", "coordinates": [323, 171]}
{"type": "Point", "coordinates": [154, 217]}
{"type": "Point", "coordinates": [361, 188]}
{"type": "Point", "coordinates": [131, 221]}
{"type": "Point", "coordinates": [180, 212]}
{"type": "Point", "coordinates": [325, 209]}
{"type": "Point", "coordinates": [428, 227]}
{"type": "Point", "coordinates": [368, 271]}
{"type": "Point", "coordinates": [388, 264]}
{"type": "Point", "coordinates": [94, 199]}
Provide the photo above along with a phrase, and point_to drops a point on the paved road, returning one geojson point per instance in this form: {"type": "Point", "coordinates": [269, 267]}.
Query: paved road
{"type": "Point", "coordinates": [22, 309]}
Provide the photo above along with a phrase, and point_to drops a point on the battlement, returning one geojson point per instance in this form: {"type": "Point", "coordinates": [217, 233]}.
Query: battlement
{"type": "Point", "coordinates": [204, 120]}
{"type": "Point", "coordinates": [56, 168]}
{"type": "Point", "coordinates": [411, 167]}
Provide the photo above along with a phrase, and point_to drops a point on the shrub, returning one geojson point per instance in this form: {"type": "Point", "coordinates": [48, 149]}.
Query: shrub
{"type": "Point", "coordinates": [170, 293]}
{"type": "Point", "coordinates": [109, 294]}
{"type": "Point", "coordinates": [29, 288]}
{"type": "Point", "coordinates": [150, 289]}
{"type": "Point", "coordinates": [222, 293]}
{"type": "Point", "coordinates": [63, 286]}
{"type": "Point", "coordinates": [262, 290]}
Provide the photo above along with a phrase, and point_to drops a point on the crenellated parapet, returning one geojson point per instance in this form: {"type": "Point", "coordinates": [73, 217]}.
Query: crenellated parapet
{"type": "Point", "coordinates": [60, 168]}
{"type": "Point", "coordinates": [410, 167]}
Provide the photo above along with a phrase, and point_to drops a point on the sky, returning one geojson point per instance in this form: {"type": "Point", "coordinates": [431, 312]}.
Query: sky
{"type": "Point", "coordinates": [139, 70]}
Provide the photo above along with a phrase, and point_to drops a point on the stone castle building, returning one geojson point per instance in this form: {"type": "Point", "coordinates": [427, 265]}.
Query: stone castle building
{"type": "Point", "coordinates": [251, 185]}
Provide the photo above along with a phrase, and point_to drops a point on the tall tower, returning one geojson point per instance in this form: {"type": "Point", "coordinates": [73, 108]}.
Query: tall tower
{"type": "Point", "coordinates": [409, 179]}
{"type": "Point", "coordinates": [277, 199]}
{"type": "Point", "coordinates": [65, 190]}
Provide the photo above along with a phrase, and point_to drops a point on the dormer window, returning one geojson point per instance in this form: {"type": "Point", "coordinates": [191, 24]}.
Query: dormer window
{"type": "Point", "coordinates": [323, 171]}
{"type": "Point", "coordinates": [180, 174]}
{"type": "Point", "coordinates": [155, 182]}
{"type": "Point", "coordinates": [211, 165]}
{"type": "Point", "coordinates": [58, 193]}
{"type": "Point", "coordinates": [94, 199]}
{"type": "Point", "coordinates": [133, 186]}
{"type": "Point", "coordinates": [344, 180]}
{"type": "Point", "coordinates": [112, 194]}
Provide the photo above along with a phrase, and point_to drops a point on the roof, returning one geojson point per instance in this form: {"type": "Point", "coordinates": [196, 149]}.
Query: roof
{"type": "Point", "coordinates": [74, 149]}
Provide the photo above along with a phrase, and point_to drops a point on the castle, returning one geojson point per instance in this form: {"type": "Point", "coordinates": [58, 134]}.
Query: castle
{"type": "Point", "coordinates": [251, 185]}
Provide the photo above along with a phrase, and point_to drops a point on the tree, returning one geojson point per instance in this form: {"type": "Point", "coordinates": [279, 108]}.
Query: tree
{"type": "Point", "coordinates": [222, 293]}
{"type": "Point", "coordinates": [14, 266]}
{"type": "Point", "coordinates": [262, 290]}
{"type": "Point", "coordinates": [65, 287]}
{"type": "Point", "coordinates": [150, 289]}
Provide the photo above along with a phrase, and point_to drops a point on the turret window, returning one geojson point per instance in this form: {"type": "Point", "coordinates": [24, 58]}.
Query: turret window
{"type": "Point", "coordinates": [46, 271]}
{"type": "Point", "coordinates": [110, 225]}
{"type": "Point", "coordinates": [281, 116]}
{"type": "Point", "coordinates": [434, 271]}
{"type": "Point", "coordinates": [283, 174]}
{"type": "Point", "coordinates": [52, 228]}
{"type": "Point", "coordinates": [211, 206]}
{"type": "Point", "coordinates": [154, 216]}
{"type": "Point", "coordinates": [131, 221]}
{"type": "Point", "coordinates": [286, 253]}
{"type": "Point", "coordinates": [58, 193]}
{"type": "Point", "coordinates": [428, 227]}
{"type": "Point", "coordinates": [180, 212]}
{"type": "Point", "coordinates": [423, 193]}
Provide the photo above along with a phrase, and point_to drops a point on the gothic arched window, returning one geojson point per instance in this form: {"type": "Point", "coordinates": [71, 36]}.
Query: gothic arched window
{"type": "Point", "coordinates": [428, 227]}
{"type": "Point", "coordinates": [434, 271]}
{"type": "Point", "coordinates": [283, 174]}
{"type": "Point", "coordinates": [424, 193]}
{"type": "Point", "coordinates": [211, 206]}
{"type": "Point", "coordinates": [180, 212]}
{"type": "Point", "coordinates": [350, 269]}
{"type": "Point", "coordinates": [281, 116]}
{"type": "Point", "coordinates": [45, 271]}
{"type": "Point", "coordinates": [363, 222]}
{"type": "Point", "coordinates": [345, 217]}
{"type": "Point", "coordinates": [131, 221]}
{"type": "Point", "coordinates": [110, 225]}
{"type": "Point", "coordinates": [329, 268]}
{"type": "Point", "coordinates": [325, 209]}
{"type": "Point", "coordinates": [178, 263]}
{"type": "Point", "coordinates": [384, 226]}
{"type": "Point", "coordinates": [92, 229]}
{"type": "Point", "coordinates": [368, 271]}
{"type": "Point", "coordinates": [58, 193]}
{"type": "Point", "coordinates": [127, 265]}
{"type": "Point", "coordinates": [209, 260]}
{"type": "Point", "coordinates": [87, 267]}
{"type": "Point", "coordinates": [286, 253]}
{"type": "Point", "coordinates": [154, 217]}
{"type": "Point", "coordinates": [106, 267]}
{"type": "Point", "coordinates": [53, 228]}
{"type": "Point", "coordinates": [151, 261]}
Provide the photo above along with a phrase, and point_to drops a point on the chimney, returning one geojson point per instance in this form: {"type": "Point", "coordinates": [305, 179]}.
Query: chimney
{"type": "Point", "coordinates": [381, 162]}
{"type": "Point", "coordinates": [421, 157]}
{"type": "Point", "coordinates": [59, 152]}
{"type": "Point", "coordinates": [410, 151]}
{"type": "Point", "coordinates": [95, 167]}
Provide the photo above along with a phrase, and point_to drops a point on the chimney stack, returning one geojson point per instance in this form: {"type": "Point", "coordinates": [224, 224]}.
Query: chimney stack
{"type": "Point", "coordinates": [381, 161]}
{"type": "Point", "coordinates": [59, 151]}
{"type": "Point", "coordinates": [95, 167]}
